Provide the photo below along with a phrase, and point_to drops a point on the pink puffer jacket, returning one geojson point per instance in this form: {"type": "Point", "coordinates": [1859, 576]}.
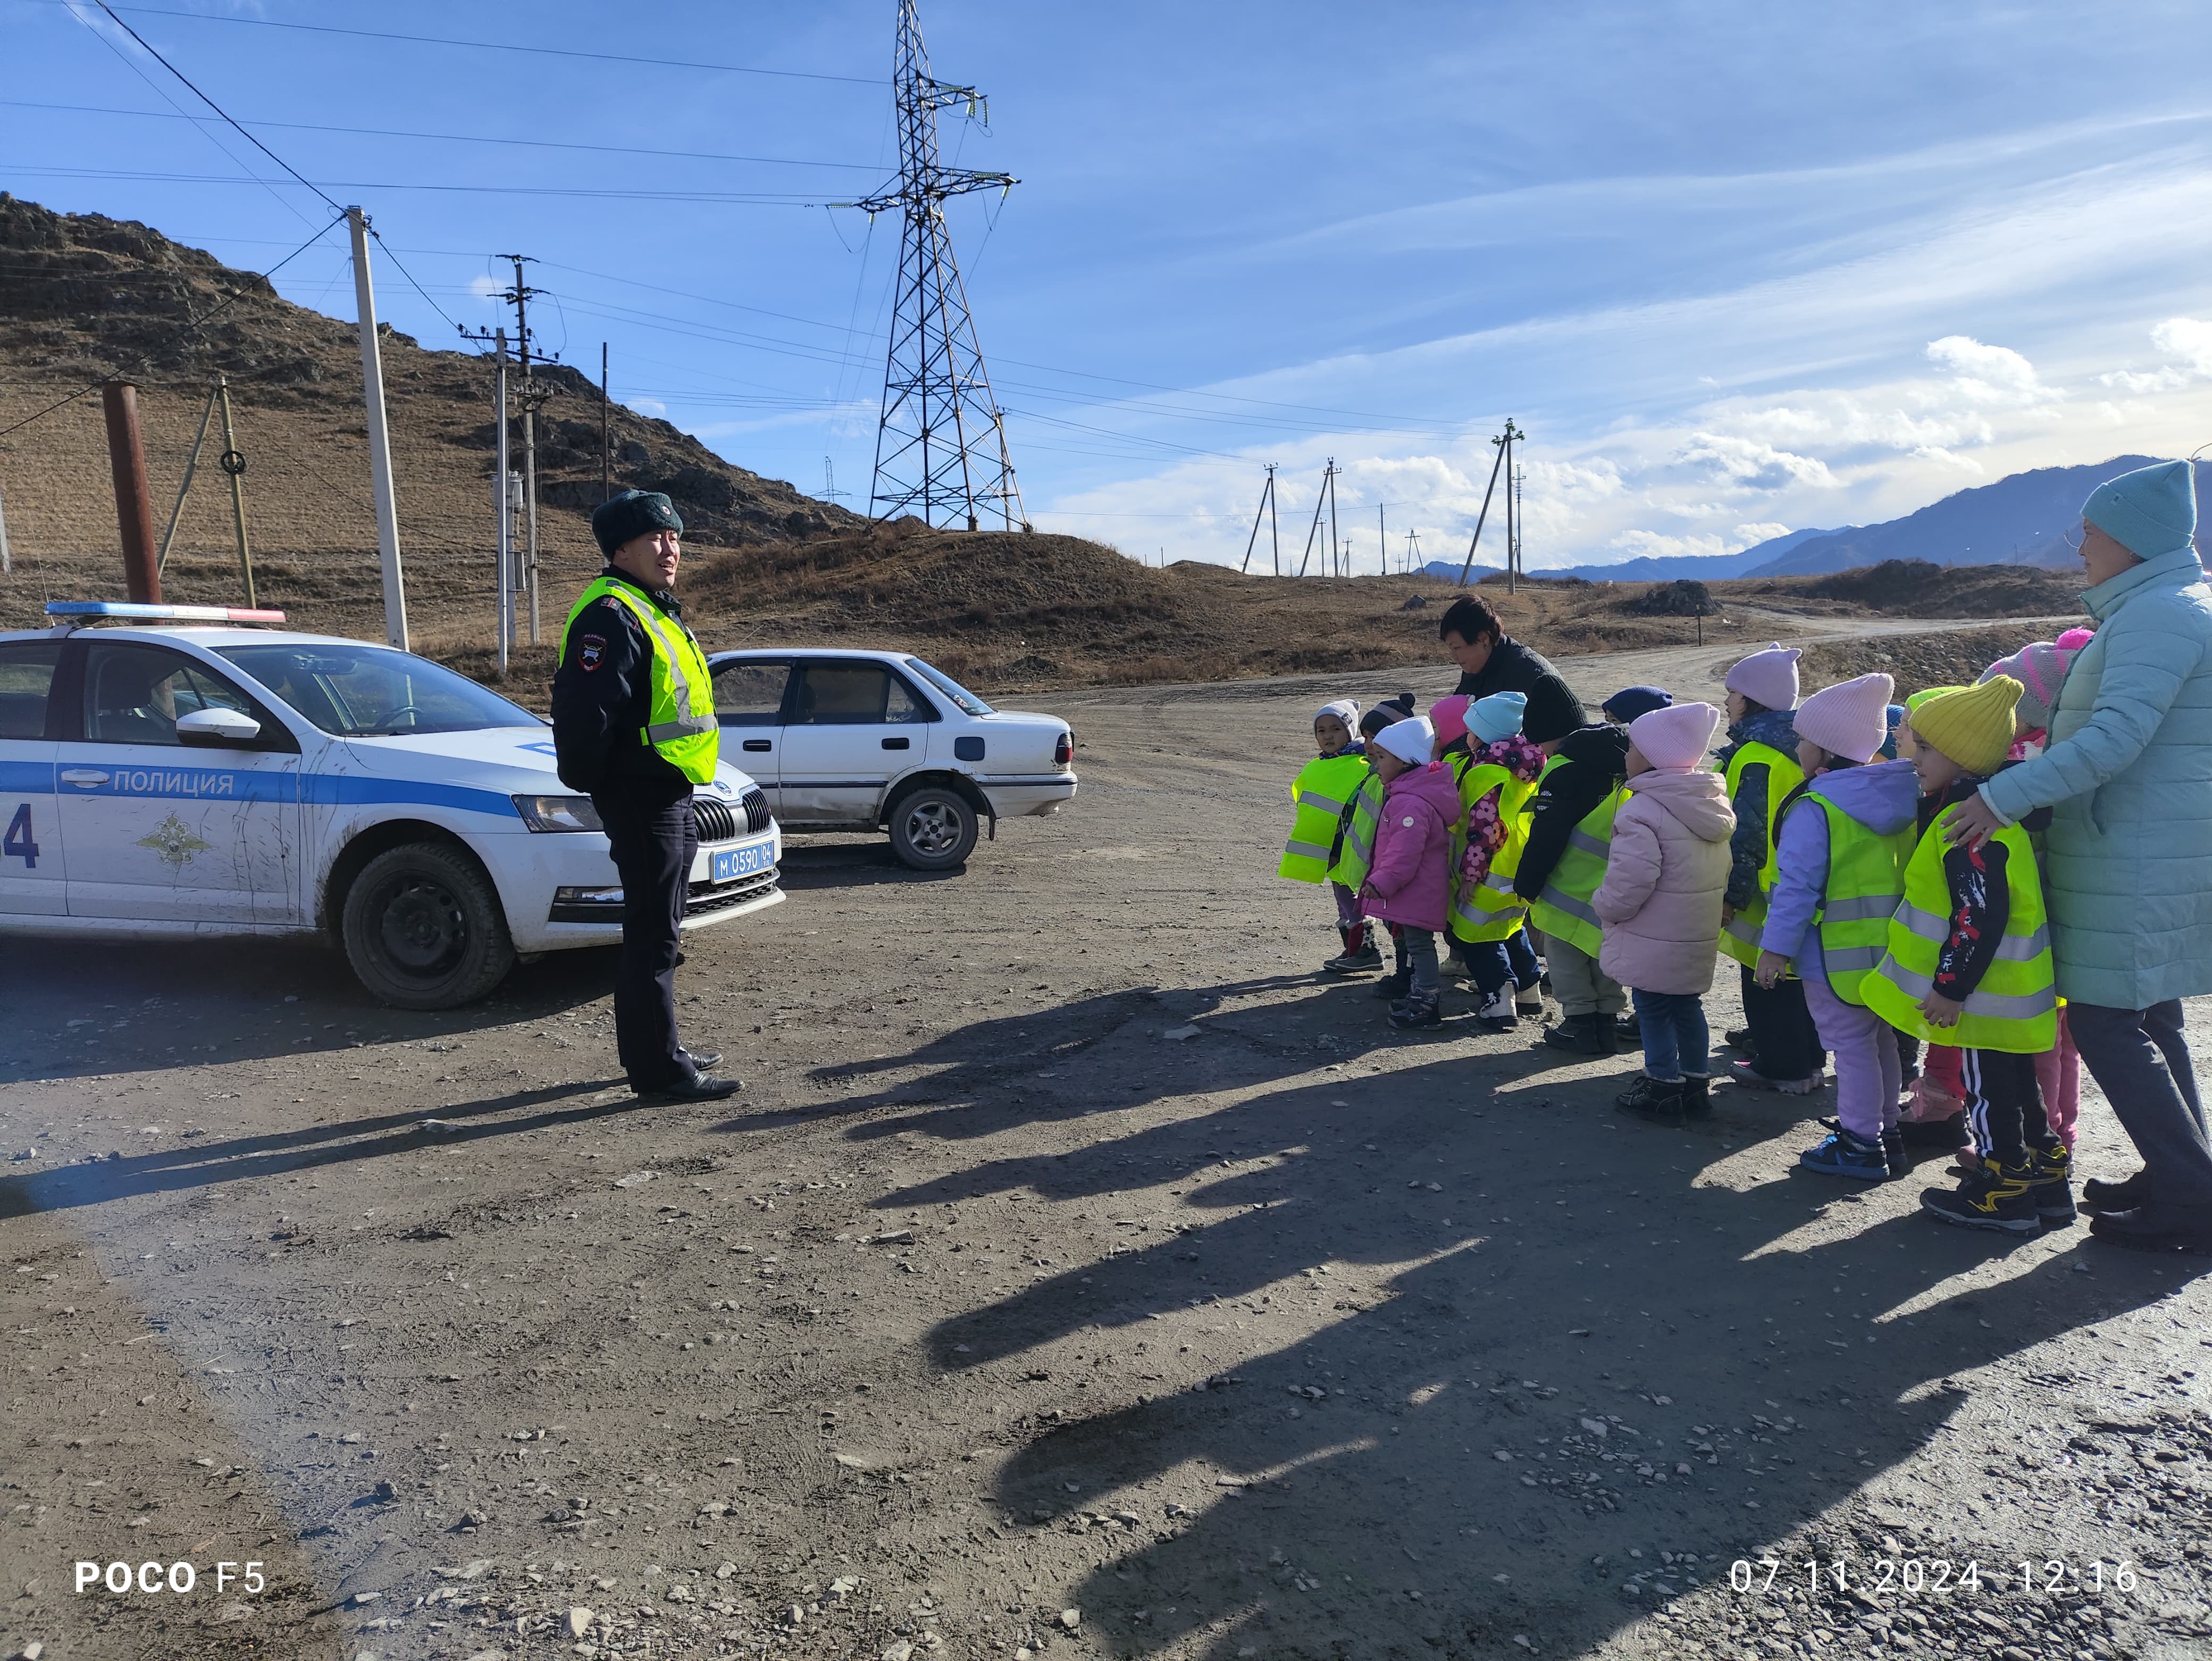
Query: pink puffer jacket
{"type": "Point", "coordinates": [1664, 881]}
{"type": "Point", "coordinates": [1410, 882]}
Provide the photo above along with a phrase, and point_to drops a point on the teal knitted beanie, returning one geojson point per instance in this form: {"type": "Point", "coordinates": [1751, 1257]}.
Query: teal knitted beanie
{"type": "Point", "coordinates": [2149, 512]}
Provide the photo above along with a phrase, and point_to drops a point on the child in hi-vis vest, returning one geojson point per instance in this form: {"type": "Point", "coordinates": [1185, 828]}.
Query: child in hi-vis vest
{"type": "Point", "coordinates": [1321, 794]}
{"type": "Point", "coordinates": [1845, 834]}
{"type": "Point", "coordinates": [1968, 963]}
{"type": "Point", "coordinates": [1496, 772]}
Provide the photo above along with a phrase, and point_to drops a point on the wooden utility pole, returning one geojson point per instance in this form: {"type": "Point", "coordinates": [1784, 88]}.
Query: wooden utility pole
{"type": "Point", "coordinates": [134, 509]}
{"type": "Point", "coordinates": [1503, 445]}
{"type": "Point", "coordinates": [1267, 507]}
{"type": "Point", "coordinates": [607, 443]}
{"type": "Point", "coordinates": [233, 462]}
{"type": "Point", "coordinates": [380, 436]}
{"type": "Point", "coordinates": [184, 487]}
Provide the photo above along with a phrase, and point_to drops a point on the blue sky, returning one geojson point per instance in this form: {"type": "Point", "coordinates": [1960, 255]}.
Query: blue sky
{"type": "Point", "coordinates": [1735, 268]}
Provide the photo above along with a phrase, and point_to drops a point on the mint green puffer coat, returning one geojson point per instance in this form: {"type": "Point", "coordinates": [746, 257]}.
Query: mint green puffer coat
{"type": "Point", "coordinates": [2128, 778]}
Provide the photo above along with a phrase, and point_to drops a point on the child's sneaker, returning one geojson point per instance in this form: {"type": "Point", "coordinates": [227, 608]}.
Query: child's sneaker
{"type": "Point", "coordinates": [1496, 1013]}
{"type": "Point", "coordinates": [1584, 1035]}
{"type": "Point", "coordinates": [1738, 1038]}
{"type": "Point", "coordinates": [1416, 1012]}
{"type": "Point", "coordinates": [1994, 1196]}
{"type": "Point", "coordinates": [1658, 1099]}
{"type": "Point", "coordinates": [1529, 1000]}
{"type": "Point", "coordinates": [1893, 1149]}
{"type": "Point", "coordinates": [1849, 1155]}
{"type": "Point", "coordinates": [1355, 963]}
{"type": "Point", "coordinates": [1748, 1077]}
{"type": "Point", "coordinates": [1394, 986]}
{"type": "Point", "coordinates": [1697, 1096]}
{"type": "Point", "coordinates": [2051, 1185]}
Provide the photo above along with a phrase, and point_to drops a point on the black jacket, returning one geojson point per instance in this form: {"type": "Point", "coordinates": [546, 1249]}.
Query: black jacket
{"type": "Point", "coordinates": [603, 700]}
{"type": "Point", "coordinates": [1981, 896]}
{"type": "Point", "coordinates": [1596, 761]}
{"type": "Point", "coordinates": [1512, 667]}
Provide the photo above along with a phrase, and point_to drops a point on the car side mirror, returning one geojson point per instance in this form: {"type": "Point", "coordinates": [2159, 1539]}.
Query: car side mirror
{"type": "Point", "coordinates": [217, 729]}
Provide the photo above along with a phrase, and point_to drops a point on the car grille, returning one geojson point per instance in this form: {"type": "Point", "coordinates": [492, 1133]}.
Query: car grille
{"type": "Point", "coordinates": [718, 821]}
{"type": "Point", "coordinates": [702, 899]}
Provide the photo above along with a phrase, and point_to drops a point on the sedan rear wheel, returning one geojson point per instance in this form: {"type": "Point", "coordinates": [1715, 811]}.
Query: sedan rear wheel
{"type": "Point", "coordinates": [933, 829]}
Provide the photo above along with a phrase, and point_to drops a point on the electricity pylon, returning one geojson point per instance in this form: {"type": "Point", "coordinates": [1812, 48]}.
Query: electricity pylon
{"type": "Point", "coordinates": [941, 441]}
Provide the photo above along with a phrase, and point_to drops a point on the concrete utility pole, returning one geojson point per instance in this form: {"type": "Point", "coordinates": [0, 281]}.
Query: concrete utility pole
{"type": "Point", "coordinates": [379, 438]}
{"type": "Point", "coordinates": [532, 396]}
{"type": "Point", "coordinates": [1267, 508]}
{"type": "Point", "coordinates": [134, 509]}
{"type": "Point", "coordinates": [7, 560]}
{"type": "Point", "coordinates": [503, 524]}
{"type": "Point", "coordinates": [606, 442]}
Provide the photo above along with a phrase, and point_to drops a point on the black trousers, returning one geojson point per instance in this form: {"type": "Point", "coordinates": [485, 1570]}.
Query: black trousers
{"type": "Point", "coordinates": [2141, 1062]}
{"type": "Point", "coordinates": [1782, 1030]}
{"type": "Point", "coordinates": [653, 839]}
{"type": "Point", "coordinates": [2004, 1104]}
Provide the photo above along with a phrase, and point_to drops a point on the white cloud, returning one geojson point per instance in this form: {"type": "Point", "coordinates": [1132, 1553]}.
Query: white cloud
{"type": "Point", "coordinates": [1990, 374]}
{"type": "Point", "coordinates": [1750, 463]}
{"type": "Point", "coordinates": [1748, 534]}
{"type": "Point", "coordinates": [2188, 339]}
{"type": "Point", "coordinates": [483, 287]}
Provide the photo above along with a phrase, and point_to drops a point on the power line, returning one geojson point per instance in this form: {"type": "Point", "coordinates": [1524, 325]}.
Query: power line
{"type": "Point", "coordinates": [716, 198]}
{"type": "Point", "coordinates": [216, 107]}
{"type": "Point", "coordinates": [486, 45]}
{"type": "Point", "coordinates": [460, 138]}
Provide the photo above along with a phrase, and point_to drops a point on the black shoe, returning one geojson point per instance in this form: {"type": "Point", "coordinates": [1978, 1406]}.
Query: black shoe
{"type": "Point", "coordinates": [2051, 1185]}
{"type": "Point", "coordinates": [1697, 1096]}
{"type": "Point", "coordinates": [1395, 986]}
{"type": "Point", "coordinates": [1739, 1039]}
{"type": "Point", "coordinates": [704, 1062]}
{"type": "Point", "coordinates": [2131, 1229]}
{"type": "Point", "coordinates": [1893, 1149]}
{"type": "Point", "coordinates": [1949, 1133]}
{"type": "Point", "coordinates": [2098, 1196]}
{"type": "Point", "coordinates": [1416, 1012]}
{"type": "Point", "coordinates": [1627, 1029]}
{"type": "Point", "coordinates": [1656, 1099]}
{"type": "Point", "coordinates": [700, 1087]}
{"type": "Point", "coordinates": [680, 960]}
{"type": "Point", "coordinates": [1584, 1035]}
{"type": "Point", "coordinates": [1354, 963]}
{"type": "Point", "coordinates": [1993, 1198]}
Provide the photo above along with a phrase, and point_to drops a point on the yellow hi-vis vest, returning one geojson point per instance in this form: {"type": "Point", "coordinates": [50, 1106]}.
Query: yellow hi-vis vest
{"type": "Point", "coordinates": [2015, 1007]}
{"type": "Point", "coordinates": [1563, 910]}
{"type": "Point", "coordinates": [1740, 934]}
{"type": "Point", "coordinates": [1866, 884]}
{"type": "Point", "coordinates": [1321, 790]}
{"type": "Point", "coordinates": [1361, 821]}
{"type": "Point", "coordinates": [681, 727]}
{"type": "Point", "coordinates": [1489, 910]}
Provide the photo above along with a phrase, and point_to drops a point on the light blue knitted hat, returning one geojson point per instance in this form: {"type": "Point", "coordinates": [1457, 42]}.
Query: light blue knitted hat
{"type": "Point", "coordinates": [2150, 511]}
{"type": "Point", "coordinates": [1497, 716]}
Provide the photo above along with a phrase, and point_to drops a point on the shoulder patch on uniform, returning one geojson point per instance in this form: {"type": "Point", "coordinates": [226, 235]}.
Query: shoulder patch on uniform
{"type": "Point", "coordinates": [609, 600]}
{"type": "Point", "coordinates": [593, 650]}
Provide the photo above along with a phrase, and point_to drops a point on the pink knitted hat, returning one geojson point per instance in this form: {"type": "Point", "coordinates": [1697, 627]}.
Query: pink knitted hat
{"type": "Point", "coordinates": [1852, 719]}
{"type": "Point", "coordinates": [1674, 739]}
{"type": "Point", "coordinates": [1769, 678]}
{"type": "Point", "coordinates": [2039, 667]}
{"type": "Point", "coordinates": [1449, 716]}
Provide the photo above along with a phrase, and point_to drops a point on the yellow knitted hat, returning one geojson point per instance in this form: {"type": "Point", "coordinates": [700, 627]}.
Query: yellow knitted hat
{"type": "Point", "coordinates": [1913, 704]}
{"type": "Point", "coordinates": [1974, 726]}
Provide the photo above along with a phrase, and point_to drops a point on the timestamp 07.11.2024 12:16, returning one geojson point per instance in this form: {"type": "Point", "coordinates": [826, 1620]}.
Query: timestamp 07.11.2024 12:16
{"type": "Point", "coordinates": [1919, 1577]}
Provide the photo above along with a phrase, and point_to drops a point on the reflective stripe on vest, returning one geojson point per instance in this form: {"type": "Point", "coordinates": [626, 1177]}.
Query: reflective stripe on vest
{"type": "Point", "coordinates": [1361, 821]}
{"type": "Point", "coordinates": [1563, 910]}
{"type": "Point", "coordinates": [1490, 909]}
{"type": "Point", "coordinates": [680, 725]}
{"type": "Point", "coordinates": [1740, 934]}
{"type": "Point", "coordinates": [1320, 790]}
{"type": "Point", "coordinates": [1866, 884]}
{"type": "Point", "coordinates": [2015, 1009]}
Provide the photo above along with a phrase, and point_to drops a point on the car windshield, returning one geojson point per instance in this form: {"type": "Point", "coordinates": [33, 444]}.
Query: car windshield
{"type": "Point", "coordinates": [372, 691]}
{"type": "Point", "coordinates": [969, 702]}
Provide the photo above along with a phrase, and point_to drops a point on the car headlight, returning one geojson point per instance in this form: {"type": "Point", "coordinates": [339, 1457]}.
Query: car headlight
{"type": "Point", "coordinates": [558, 812]}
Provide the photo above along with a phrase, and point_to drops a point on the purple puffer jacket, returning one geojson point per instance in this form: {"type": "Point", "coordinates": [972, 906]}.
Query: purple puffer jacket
{"type": "Point", "coordinates": [1410, 882]}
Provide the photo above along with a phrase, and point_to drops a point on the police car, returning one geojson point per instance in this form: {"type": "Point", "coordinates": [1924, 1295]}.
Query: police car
{"type": "Point", "coordinates": [183, 780]}
{"type": "Point", "coordinates": [857, 740]}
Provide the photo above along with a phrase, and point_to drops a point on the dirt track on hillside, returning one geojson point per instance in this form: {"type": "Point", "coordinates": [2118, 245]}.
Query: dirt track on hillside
{"type": "Point", "coordinates": [990, 1306]}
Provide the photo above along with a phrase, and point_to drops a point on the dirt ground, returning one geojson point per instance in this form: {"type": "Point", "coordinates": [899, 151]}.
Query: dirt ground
{"type": "Point", "coordinates": [1001, 1315]}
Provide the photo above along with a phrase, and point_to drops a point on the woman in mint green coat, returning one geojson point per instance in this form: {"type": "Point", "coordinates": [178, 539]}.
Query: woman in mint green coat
{"type": "Point", "coordinates": [2128, 777]}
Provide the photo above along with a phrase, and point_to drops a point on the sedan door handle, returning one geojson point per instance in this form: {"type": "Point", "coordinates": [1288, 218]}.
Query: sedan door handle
{"type": "Point", "coordinates": [86, 776]}
{"type": "Point", "coordinates": [894, 743]}
{"type": "Point", "coordinates": [759, 746]}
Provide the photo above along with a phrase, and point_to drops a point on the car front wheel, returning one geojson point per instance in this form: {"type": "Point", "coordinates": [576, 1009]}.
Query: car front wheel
{"type": "Point", "coordinates": [423, 929]}
{"type": "Point", "coordinates": [933, 829]}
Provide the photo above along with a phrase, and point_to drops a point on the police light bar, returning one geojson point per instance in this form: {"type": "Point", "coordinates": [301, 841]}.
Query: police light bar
{"type": "Point", "coordinates": [131, 608]}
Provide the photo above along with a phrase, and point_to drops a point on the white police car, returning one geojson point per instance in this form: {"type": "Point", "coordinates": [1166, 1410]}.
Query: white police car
{"type": "Point", "coordinates": [853, 740]}
{"type": "Point", "coordinates": [158, 782]}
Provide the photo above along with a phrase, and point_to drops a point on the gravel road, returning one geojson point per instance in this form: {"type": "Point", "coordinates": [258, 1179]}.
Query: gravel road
{"type": "Point", "coordinates": [1005, 1314]}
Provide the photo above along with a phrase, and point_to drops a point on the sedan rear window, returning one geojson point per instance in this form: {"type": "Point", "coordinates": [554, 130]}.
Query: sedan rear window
{"type": "Point", "coordinates": [965, 701]}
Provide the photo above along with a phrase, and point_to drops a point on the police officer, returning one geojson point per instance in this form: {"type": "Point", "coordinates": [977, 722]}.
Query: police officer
{"type": "Point", "coordinates": [634, 727]}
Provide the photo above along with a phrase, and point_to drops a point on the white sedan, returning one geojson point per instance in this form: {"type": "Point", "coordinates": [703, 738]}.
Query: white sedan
{"type": "Point", "coordinates": [193, 782]}
{"type": "Point", "coordinates": [845, 740]}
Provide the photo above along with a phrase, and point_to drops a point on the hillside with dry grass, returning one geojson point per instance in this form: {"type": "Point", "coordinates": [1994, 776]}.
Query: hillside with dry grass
{"type": "Point", "coordinates": [83, 297]}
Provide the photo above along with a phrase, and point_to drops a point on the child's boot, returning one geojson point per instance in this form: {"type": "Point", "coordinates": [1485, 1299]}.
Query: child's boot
{"type": "Point", "coordinates": [1360, 953]}
{"type": "Point", "coordinates": [1697, 1096]}
{"type": "Point", "coordinates": [1657, 1100]}
{"type": "Point", "coordinates": [1738, 1038]}
{"type": "Point", "coordinates": [1416, 1010]}
{"type": "Point", "coordinates": [1395, 985]}
{"type": "Point", "coordinates": [1991, 1197]}
{"type": "Point", "coordinates": [1893, 1149]}
{"type": "Point", "coordinates": [1846, 1154]}
{"type": "Point", "coordinates": [1496, 1013]}
{"type": "Point", "coordinates": [1584, 1035]}
{"type": "Point", "coordinates": [1529, 1000]}
{"type": "Point", "coordinates": [2051, 1185]}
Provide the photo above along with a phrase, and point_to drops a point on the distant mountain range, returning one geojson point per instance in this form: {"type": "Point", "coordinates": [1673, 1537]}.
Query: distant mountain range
{"type": "Point", "coordinates": [2023, 520]}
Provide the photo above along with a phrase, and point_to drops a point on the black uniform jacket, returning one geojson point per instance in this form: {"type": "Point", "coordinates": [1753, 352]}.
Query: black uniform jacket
{"type": "Point", "coordinates": [603, 700]}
